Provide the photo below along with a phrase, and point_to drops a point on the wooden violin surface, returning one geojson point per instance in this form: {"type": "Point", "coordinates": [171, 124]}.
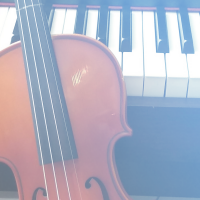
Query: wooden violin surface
{"type": "Point", "coordinates": [96, 99]}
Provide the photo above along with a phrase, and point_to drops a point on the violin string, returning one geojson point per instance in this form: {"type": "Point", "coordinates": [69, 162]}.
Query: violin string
{"type": "Point", "coordinates": [52, 104]}
{"type": "Point", "coordinates": [41, 102]}
{"type": "Point", "coordinates": [44, 65]}
{"type": "Point", "coordinates": [62, 111]}
{"type": "Point", "coordinates": [62, 114]}
{"type": "Point", "coordinates": [53, 168]}
{"type": "Point", "coordinates": [29, 79]}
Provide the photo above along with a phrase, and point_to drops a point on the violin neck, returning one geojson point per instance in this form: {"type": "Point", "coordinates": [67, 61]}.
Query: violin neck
{"type": "Point", "coordinates": [45, 90]}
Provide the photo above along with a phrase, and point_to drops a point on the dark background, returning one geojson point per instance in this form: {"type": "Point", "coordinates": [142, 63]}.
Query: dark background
{"type": "Point", "coordinates": [162, 158]}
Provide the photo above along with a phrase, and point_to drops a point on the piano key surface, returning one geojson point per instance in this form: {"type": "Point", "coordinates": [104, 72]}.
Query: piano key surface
{"type": "Point", "coordinates": [114, 33]}
{"type": "Point", "coordinates": [80, 19]}
{"type": "Point", "coordinates": [162, 45]}
{"type": "Point", "coordinates": [58, 21]}
{"type": "Point", "coordinates": [102, 30]}
{"type": "Point", "coordinates": [92, 19]}
{"type": "Point", "coordinates": [133, 61]}
{"type": "Point", "coordinates": [7, 28]}
{"type": "Point", "coordinates": [125, 30]}
{"type": "Point", "coordinates": [70, 20]}
{"type": "Point", "coordinates": [193, 60]}
{"type": "Point", "coordinates": [3, 14]}
{"type": "Point", "coordinates": [185, 31]}
{"type": "Point", "coordinates": [176, 64]}
{"type": "Point", "coordinates": [148, 71]}
{"type": "Point", "coordinates": [154, 63]}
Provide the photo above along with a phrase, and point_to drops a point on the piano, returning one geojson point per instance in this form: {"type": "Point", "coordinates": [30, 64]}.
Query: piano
{"type": "Point", "coordinates": [157, 47]}
{"type": "Point", "coordinates": [157, 44]}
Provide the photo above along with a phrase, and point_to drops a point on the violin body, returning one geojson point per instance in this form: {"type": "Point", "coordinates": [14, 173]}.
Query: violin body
{"type": "Point", "coordinates": [96, 99]}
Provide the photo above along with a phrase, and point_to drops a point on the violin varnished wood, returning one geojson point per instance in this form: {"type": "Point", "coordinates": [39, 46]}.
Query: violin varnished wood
{"type": "Point", "coordinates": [97, 122]}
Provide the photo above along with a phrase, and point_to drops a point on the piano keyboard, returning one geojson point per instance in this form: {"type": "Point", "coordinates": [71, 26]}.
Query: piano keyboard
{"type": "Point", "coordinates": [158, 50]}
{"type": "Point", "coordinates": [8, 19]}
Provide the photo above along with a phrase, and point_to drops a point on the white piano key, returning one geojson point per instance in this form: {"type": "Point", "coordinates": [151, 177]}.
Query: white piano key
{"type": "Point", "coordinates": [114, 30]}
{"type": "Point", "coordinates": [58, 21]}
{"type": "Point", "coordinates": [193, 60]}
{"type": "Point", "coordinates": [3, 14]}
{"type": "Point", "coordinates": [133, 61]}
{"type": "Point", "coordinates": [154, 63]}
{"type": "Point", "coordinates": [92, 19]}
{"type": "Point", "coordinates": [70, 20]}
{"type": "Point", "coordinates": [176, 65]}
{"type": "Point", "coordinates": [6, 34]}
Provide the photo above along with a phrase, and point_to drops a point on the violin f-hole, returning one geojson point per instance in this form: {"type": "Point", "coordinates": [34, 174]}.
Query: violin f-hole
{"type": "Point", "coordinates": [36, 191]}
{"type": "Point", "coordinates": [101, 185]}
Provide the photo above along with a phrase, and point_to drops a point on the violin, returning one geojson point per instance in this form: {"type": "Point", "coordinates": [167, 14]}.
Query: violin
{"type": "Point", "coordinates": [62, 109]}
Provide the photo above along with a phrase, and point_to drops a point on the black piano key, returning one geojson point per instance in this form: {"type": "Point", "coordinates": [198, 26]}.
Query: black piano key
{"type": "Point", "coordinates": [162, 44]}
{"type": "Point", "coordinates": [51, 15]}
{"type": "Point", "coordinates": [185, 31]}
{"type": "Point", "coordinates": [80, 19]}
{"type": "Point", "coordinates": [48, 7]}
{"type": "Point", "coordinates": [15, 36]}
{"type": "Point", "coordinates": [125, 30]}
{"type": "Point", "coordinates": [102, 31]}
